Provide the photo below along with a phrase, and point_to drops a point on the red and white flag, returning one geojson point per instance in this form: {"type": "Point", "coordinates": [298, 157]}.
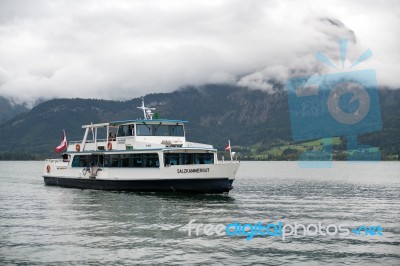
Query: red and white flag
{"type": "Point", "coordinates": [63, 144]}
{"type": "Point", "coordinates": [228, 147]}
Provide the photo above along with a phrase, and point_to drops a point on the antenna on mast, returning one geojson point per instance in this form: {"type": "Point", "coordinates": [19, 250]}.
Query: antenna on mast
{"type": "Point", "coordinates": [147, 114]}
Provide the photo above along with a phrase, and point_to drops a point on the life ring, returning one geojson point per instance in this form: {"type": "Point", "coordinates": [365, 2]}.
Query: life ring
{"type": "Point", "coordinates": [78, 147]}
{"type": "Point", "coordinates": [109, 146]}
{"type": "Point", "coordinates": [48, 168]}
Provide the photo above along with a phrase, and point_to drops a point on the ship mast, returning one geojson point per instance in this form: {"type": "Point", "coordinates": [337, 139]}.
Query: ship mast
{"type": "Point", "coordinates": [147, 114]}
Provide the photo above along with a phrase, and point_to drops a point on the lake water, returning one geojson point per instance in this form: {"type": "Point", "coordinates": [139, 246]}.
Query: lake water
{"type": "Point", "coordinates": [50, 225]}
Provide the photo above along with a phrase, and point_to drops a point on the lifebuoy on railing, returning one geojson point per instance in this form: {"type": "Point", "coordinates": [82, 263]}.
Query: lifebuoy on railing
{"type": "Point", "coordinates": [78, 147]}
{"type": "Point", "coordinates": [109, 146]}
{"type": "Point", "coordinates": [48, 168]}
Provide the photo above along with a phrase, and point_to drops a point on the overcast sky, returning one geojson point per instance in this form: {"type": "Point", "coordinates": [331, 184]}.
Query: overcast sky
{"type": "Point", "coordinates": [124, 49]}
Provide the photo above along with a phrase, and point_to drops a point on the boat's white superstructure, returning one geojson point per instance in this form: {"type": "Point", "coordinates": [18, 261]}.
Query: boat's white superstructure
{"type": "Point", "coordinates": [140, 155]}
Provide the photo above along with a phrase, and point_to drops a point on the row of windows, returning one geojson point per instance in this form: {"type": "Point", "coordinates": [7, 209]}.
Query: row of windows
{"type": "Point", "coordinates": [132, 160]}
{"type": "Point", "coordinates": [141, 160]}
{"type": "Point", "coordinates": [159, 130]}
{"type": "Point", "coordinates": [188, 158]}
{"type": "Point", "coordinates": [117, 160]}
{"type": "Point", "coordinates": [150, 130]}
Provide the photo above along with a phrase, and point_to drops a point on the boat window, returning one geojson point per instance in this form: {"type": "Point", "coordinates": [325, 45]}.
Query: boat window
{"type": "Point", "coordinates": [111, 160]}
{"type": "Point", "coordinates": [160, 130]}
{"type": "Point", "coordinates": [144, 130]}
{"type": "Point", "coordinates": [87, 160]}
{"type": "Point", "coordinates": [151, 160]}
{"type": "Point", "coordinates": [204, 158]}
{"type": "Point", "coordinates": [177, 131]}
{"type": "Point", "coordinates": [137, 160]}
{"type": "Point", "coordinates": [107, 161]}
{"type": "Point", "coordinates": [171, 159]}
{"type": "Point", "coordinates": [97, 160]}
{"type": "Point", "coordinates": [80, 161]}
{"type": "Point", "coordinates": [188, 158]}
{"type": "Point", "coordinates": [124, 161]}
{"type": "Point", "coordinates": [126, 130]}
{"type": "Point", "coordinates": [114, 161]}
{"type": "Point", "coordinates": [132, 160]}
{"type": "Point", "coordinates": [75, 161]}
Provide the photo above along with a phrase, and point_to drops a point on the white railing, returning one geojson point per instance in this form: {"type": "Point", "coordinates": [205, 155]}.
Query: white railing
{"type": "Point", "coordinates": [54, 161]}
{"type": "Point", "coordinates": [74, 142]}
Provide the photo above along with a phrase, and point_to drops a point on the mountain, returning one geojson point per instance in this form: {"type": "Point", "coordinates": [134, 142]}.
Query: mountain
{"type": "Point", "coordinates": [215, 113]}
{"type": "Point", "coordinates": [9, 110]}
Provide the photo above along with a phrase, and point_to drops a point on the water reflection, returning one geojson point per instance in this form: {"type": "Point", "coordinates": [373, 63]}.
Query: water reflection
{"type": "Point", "coordinates": [50, 225]}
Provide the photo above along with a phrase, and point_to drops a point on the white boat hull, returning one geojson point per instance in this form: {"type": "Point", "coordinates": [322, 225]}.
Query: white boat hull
{"type": "Point", "coordinates": [210, 178]}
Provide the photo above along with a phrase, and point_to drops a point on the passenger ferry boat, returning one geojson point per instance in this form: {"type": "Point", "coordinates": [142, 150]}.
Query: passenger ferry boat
{"type": "Point", "coordinates": [140, 155]}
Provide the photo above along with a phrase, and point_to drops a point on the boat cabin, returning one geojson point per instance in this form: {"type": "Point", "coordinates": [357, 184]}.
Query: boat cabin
{"type": "Point", "coordinates": [134, 134]}
{"type": "Point", "coordinates": [131, 134]}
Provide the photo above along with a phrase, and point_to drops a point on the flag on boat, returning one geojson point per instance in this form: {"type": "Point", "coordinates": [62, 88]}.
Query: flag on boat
{"type": "Point", "coordinates": [228, 147]}
{"type": "Point", "coordinates": [63, 144]}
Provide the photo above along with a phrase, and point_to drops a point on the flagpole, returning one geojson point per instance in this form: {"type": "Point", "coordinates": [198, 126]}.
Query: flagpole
{"type": "Point", "coordinates": [91, 129]}
{"type": "Point", "coordinates": [230, 149]}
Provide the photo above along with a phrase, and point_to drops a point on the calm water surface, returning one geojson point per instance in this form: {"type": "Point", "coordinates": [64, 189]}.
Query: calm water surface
{"type": "Point", "coordinates": [50, 225]}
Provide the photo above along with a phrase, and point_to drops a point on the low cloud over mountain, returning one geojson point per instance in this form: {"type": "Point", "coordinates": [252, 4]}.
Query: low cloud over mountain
{"type": "Point", "coordinates": [123, 49]}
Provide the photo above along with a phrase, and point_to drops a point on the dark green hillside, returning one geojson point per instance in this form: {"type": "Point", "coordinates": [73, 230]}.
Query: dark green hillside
{"type": "Point", "coordinates": [254, 120]}
{"type": "Point", "coordinates": [9, 110]}
{"type": "Point", "coordinates": [388, 140]}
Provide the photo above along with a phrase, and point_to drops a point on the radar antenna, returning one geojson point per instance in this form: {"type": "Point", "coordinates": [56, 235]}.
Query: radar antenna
{"type": "Point", "coordinates": [147, 114]}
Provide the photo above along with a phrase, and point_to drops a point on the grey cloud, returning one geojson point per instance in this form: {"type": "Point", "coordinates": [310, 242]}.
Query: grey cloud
{"type": "Point", "coordinates": [122, 49]}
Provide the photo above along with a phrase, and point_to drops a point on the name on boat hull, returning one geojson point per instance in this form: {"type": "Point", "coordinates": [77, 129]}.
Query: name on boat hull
{"type": "Point", "coordinates": [196, 170]}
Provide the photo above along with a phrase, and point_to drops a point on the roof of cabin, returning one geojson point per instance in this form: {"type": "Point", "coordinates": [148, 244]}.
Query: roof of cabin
{"type": "Point", "coordinates": [147, 121]}
{"type": "Point", "coordinates": [137, 121]}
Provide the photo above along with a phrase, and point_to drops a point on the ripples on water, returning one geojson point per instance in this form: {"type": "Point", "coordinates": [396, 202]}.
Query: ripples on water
{"type": "Point", "coordinates": [50, 225]}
